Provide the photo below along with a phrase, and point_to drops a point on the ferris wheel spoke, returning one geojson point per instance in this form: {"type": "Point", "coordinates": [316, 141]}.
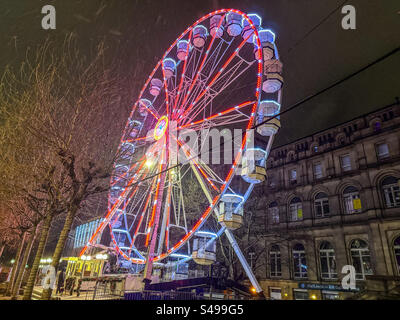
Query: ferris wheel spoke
{"type": "Point", "coordinates": [191, 157]}
{"type": "Point", "coordinates": [140, 162]}
{"type": "Point", "coordinates": [193, 62]}
{"type": "Point", "coordinates": [165, 88]}
{"type": "Point", "coordinates": [138, 201]}
{"type": "Point", "coordinates": [111, 212]}
{"type": "Point", "coordinates": [156, 196]}
{"type": "Point", "coordinates": [143, 213]}
{"type": "Point", "coordinates": [183, 75]}
{"type": "Point", "coordinates": [229, 77]}
{"type": "Point", "coordinates": [203, 61]}
{"type": "Point", "coordinates": [211, 64]}
{"type": "Point", "coordinates": [216, 116]}
{"type": "Point", "coordinates": [217, 75]}
{"type": "Point", "coordinates": [129, 197]}
{"type": "Point", "coordinates": [165, 221]}
{"type": "Point", "coordinates": [149, 110]}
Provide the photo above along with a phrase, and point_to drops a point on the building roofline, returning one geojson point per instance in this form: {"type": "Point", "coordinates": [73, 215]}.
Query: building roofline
{"type": "Point", "coordinates": [397, 102]}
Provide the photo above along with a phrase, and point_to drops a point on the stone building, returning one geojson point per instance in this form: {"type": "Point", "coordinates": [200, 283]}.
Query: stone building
{"type": "Point", "coordinates": [332, 199]}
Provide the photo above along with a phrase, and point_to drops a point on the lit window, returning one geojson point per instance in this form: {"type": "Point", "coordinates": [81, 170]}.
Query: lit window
{"type": "Point", "coordinates": [321, 205]}
{"type": "Point", "coordinates": [377, 126]}
{"type": "Point", "coordinates": [299, 261]}
{"type": "Point", "coordinates": [391, 192]}
{"type": "Point", "coordinates": [296, 210]}
{"type": "Point", "coordinates": [396, 248]}
{"type": "Point", "coordinates": [351, 199]}
{"type": "Point", "coordinates": [275, 261]}
{"type": "Point", "coordinates": [361, 259]}
{"type": "Point", "coordinates": [317, 171]}
{"type": "Point", "coordinates": [345, 163]}
{"type": "Point", "coordinates": [328, 261]}
{"type": "Point", "coordinates": [273, 210]}
{"type": "Point", "coordinates": [293, 176]}
{"type": "Point", "coordinates": [382, 150]}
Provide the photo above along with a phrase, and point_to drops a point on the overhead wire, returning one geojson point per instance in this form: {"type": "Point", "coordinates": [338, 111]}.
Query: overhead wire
{"type": "Point", "coordinates": [292, 107]}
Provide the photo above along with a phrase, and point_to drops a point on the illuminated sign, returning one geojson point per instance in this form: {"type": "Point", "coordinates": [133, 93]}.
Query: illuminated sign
{"type": "Point", "coordinates": [320, 286]}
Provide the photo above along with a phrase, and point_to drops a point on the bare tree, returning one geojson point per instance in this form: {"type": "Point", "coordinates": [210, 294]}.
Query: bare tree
{"type": "Point", "coordinates": [64, 118]}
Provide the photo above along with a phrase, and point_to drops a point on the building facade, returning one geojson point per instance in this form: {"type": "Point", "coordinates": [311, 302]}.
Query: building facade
{"type": "Point", "coordinates": [332, 199]}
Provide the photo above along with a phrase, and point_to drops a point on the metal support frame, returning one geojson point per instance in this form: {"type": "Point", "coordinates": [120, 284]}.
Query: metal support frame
{"type": "Point", "coordinates": [231, 237]}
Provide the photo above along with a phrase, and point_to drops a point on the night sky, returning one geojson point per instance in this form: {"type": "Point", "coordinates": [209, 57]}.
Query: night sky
{"type": "Point", "coordinates": [314, 49]}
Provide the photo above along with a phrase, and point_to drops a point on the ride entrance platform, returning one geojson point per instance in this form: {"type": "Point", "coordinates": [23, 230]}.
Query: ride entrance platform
{"type": "Point", "coordinates": [204, 288]}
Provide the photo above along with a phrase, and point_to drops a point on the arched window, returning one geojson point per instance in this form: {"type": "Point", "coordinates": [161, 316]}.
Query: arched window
{"type": "Point", "coordinates": [360, 258]}
{"type": "Point", "coordinates": [275, 261]}
{"type": "Point", "coordinates": [321, 205]}
{"type": "Point", "coordinates": [299, 261]}
{"type": "Point", "coordinates": [391, 192]}
{"type": "Point", "coordinates": [396, 248]}
{"type": "Point", "coordinates": [296, 209]}
{"type": "Point", "coordinates": [351, 199]}
{"type": "Point", "coordinates": [273, 211]}
{"type": "Point", "coordinates": [327, 260]}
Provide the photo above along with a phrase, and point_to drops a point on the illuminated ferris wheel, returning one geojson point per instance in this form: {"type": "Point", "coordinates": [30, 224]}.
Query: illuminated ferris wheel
{"type": "Point", "coordinates": [169, 199]}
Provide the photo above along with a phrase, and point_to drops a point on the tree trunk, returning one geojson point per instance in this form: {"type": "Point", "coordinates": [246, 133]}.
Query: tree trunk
{"type": "Point", "coordinates": [2, 250]}
{"type": "Point", "coordinates": [35, 266]}
{"type": "Point", "coordinates": [16, 266]}
{"type": "Point", "coordinates": [46, 295]}
{"type": "Point", "coordinates": [21, 272]}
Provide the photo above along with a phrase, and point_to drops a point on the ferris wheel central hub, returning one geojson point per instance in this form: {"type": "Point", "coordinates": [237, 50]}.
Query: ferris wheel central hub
{"type": "Point", "coordinates": [161, 127]}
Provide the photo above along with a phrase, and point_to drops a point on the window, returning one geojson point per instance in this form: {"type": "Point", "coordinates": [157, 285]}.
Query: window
{"type": "Point", "coordinates": [299, 261]}
{"type": "Point", "coordinates": [300, 294]}
{"type": "Point", "coordinates": [296, 209]}
{"type": "Point", "coordinates": [327, 260]}
{"type": "Point", "coordinates": [317, 171]}
{"type": "Point", "coordinates": [321, 205]}
{"type": "Point", "coordinates": [273, 210]}
{"type": "Point", "coordinates": [330, 295]}
{"type": "Point", "coordinates": [275, 261]}
{"type": "Point", "coordinates": [275, 293]}
{"type": "Point", "coordinates": [396, 247]}
{"type": "Point", "coordinates": [352, 201]}
{"type": "Point", "coordinates": [345, 163]}
{"type": "Point", "coordinates": [293, 176]}
{"type": "Point", "coordinates": [391, 192]}
{"type": "Point", "coordinates": [382, 151]}
{"type": "Point", "coordinates": [360, 258]}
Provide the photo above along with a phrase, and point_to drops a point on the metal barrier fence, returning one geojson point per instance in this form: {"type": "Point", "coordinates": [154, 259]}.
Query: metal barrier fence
{"type": "Point", "coordinates": [159, 295]}
{"type": "Point", "coordinates": [103, 291]}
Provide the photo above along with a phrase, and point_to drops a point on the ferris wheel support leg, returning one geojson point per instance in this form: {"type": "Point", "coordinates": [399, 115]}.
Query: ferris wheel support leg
{"type": "Point", "coordinates": [235, 245]}
{"type": "Point", "coordinates": [243, 261]}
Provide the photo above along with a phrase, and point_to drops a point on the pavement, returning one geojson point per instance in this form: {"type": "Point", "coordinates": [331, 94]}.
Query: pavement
{"type": "Point", "coordinates": [37, 292]}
